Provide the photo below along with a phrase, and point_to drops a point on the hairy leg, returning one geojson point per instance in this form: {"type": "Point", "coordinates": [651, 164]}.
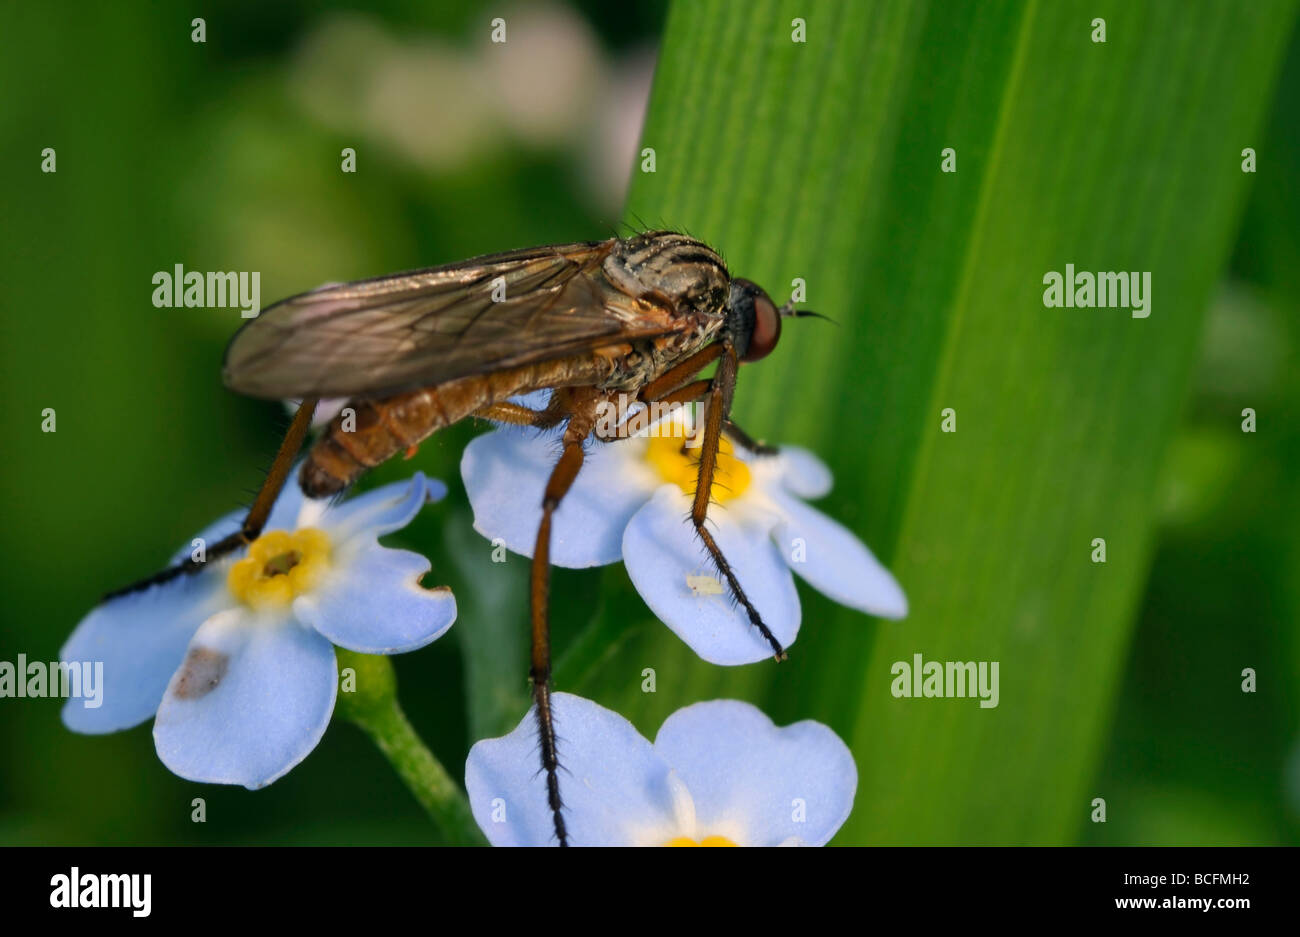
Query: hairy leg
{"type": "Point", "coordinates": [582, 409]}
{"type": "Point", "coordinates": [717, 404]}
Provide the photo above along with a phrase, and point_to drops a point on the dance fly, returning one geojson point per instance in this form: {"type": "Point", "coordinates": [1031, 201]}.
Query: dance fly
{"type": "Point", "coordinates": [623, 323]}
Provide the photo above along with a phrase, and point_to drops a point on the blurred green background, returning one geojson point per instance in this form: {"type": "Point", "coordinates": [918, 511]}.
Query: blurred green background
{"type": "Point", "coordinates": [225, 155]}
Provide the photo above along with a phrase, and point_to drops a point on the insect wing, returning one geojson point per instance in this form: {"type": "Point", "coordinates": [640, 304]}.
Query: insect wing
{"type": "Point", "coordinates": [421, 328]}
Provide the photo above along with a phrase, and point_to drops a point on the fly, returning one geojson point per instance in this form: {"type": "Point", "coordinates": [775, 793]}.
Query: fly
{"type": "Point", "coordinates": [598, 323]}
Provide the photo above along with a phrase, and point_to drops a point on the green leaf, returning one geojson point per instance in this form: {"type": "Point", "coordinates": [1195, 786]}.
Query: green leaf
{"type": "Point", "coordinates": [822, 160]}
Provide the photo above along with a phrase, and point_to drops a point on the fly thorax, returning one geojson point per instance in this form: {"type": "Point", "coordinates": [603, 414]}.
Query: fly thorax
{"type": "Point", "coordinates": [673, 266]}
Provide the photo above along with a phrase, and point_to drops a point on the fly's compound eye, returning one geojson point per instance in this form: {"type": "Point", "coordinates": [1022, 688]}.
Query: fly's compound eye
{"type": "Point", "coordinates": [767, 329]}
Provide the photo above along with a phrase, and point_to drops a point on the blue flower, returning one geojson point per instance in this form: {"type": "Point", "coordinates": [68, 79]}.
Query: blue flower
{"type": "Point", "coordinates": [236, 662]}
{"type": "Point", "coordinates": [718, 774]}
{"type": "Point", "coordinates": [632, 502]}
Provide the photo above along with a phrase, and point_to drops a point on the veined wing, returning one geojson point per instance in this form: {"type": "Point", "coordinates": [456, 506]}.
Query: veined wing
{"type": "Point", "coordinates": [415, 329]}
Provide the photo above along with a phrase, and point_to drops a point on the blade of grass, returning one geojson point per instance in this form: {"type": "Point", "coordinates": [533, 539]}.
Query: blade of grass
{"type": "Point", "coordinates": [821, 160]}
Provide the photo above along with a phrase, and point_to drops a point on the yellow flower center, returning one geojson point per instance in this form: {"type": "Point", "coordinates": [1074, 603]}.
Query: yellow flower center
{"type": "Point", "coordinates": [279, 566]}
{"type": "Point", "coordinates": [679, 463]}
{"type": "Point", "coordinates": [707, 841]}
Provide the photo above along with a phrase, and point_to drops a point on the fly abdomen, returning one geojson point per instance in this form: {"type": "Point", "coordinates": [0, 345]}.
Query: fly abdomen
{"type": "Point", "coordinates": [376, 430]}
{"type": "Point", "coordinates": [368, 432]}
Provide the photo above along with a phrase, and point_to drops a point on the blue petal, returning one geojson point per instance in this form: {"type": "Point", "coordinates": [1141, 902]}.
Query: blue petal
{"type": "Point", "coordinates": [141, 639]}
{"type": "Point", "coordinates": [802, 473]}
{"type": "Point", "coordinates": [373, 603]}
{"type": "Point", "coordinates": [835, 562]}
{"type": "Point", "coordinates": [534, 400]}
{"type": "Point", "coordinates": [616, 789]}
{"type": "Point", "coordinates": [250, 701]}
{"type": "Point", "coordinates": [381, 510]}
{"type": "Point", "coordinates": [505, 474]}
{"type": "Point", "coordinates": [327, 408]}
{"type": "Point", "coordinates": [661, 550]}
{"type": "Point", "coordinates": [752, 781]}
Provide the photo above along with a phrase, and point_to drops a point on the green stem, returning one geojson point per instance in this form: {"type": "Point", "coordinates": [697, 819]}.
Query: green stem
{"type": "Point", "coordinates": [423, 775]}
{"type": "Point", "coordinates": [372, 705]}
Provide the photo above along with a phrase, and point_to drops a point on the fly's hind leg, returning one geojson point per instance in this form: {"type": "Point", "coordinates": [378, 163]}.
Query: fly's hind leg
{"type": "Point", "coordinates": [255, 520]}
{"type": "Point", "coordinates": [582, 407]}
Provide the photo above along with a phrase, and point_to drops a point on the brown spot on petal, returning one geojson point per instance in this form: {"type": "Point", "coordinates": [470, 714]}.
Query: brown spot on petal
{"type": "Point", "coordinates": [202, 671]}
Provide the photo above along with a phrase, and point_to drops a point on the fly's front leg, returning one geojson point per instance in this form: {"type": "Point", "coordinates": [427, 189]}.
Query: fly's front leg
{"type": "Point", "coordinates": [717, 405]}
{"type": "Point", "coordinates": [582, 420]}
{"type": "Point", "coordinates": [668, 390]}
{"type": "Point", "coordinates": [628, 426]}
{"type": "Point", "coordinates": [255, 520]}
{"type": "Point", "coordinates": [679, 374]}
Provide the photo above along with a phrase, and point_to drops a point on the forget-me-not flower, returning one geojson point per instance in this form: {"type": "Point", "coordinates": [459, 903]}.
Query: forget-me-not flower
{"type": "Point", "coordinates": [236, 661]}
{"type": "Point", "coordinates": [632, 501]}
{"type": "Point", "coordinates": [718, 774]}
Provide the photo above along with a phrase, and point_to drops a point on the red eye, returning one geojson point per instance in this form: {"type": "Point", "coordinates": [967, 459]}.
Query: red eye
{"type": "Point", "coordinates": [767, 329]}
